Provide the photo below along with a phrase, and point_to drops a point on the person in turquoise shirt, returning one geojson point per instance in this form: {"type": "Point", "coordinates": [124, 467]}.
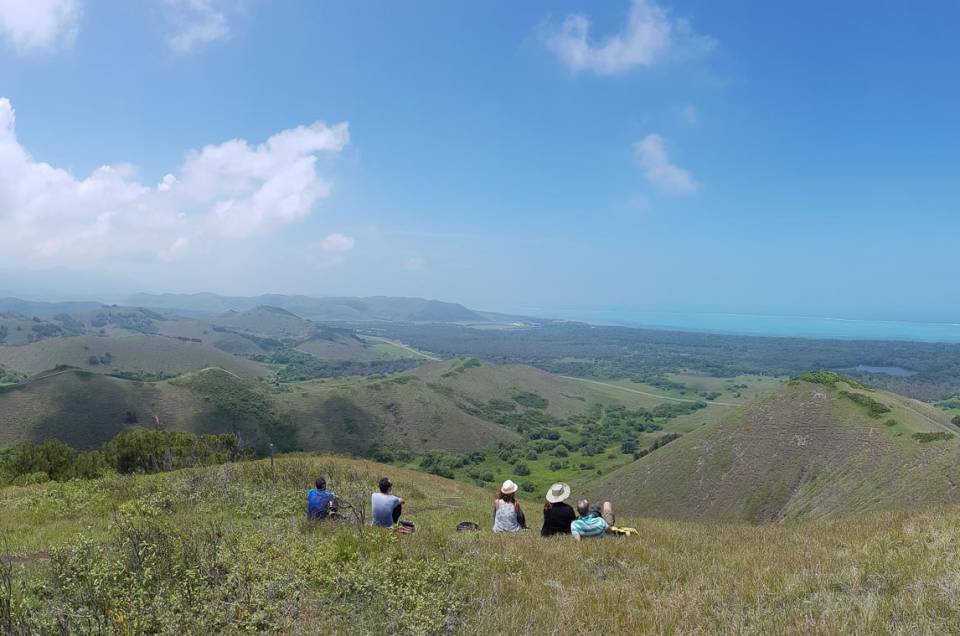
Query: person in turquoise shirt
{"type": "Point", "coordinates": [594, 521]}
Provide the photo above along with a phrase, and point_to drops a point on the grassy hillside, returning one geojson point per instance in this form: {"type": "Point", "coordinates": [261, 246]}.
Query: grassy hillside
{"type": "Point", "coordinates": [86, 409]}
{"type": "Point", "coordinates": [805, 450]}
{"type": "Point", "coordinates": [226, 550]}
{"type": "Point", "coordinates": [132, 353]}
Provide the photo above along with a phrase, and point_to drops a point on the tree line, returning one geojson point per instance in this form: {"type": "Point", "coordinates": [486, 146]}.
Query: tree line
{"type": "Point", "coordinates": [137, 450]}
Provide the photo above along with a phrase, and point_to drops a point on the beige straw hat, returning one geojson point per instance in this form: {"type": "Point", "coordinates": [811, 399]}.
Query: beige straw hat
{"type": "Point", "coordinates": [558, 492]}
{"type": "Point", "coordinates": [508, 487]}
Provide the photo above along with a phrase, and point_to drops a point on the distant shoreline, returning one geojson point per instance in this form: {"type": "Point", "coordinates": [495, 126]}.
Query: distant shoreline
{"type": "Point", "coordinates": [809, 327]}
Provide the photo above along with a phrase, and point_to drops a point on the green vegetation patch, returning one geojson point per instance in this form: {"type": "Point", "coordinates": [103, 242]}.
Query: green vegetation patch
{"type": "Point", "coordinates": [460, 367]}
{"type": "Point", "coordinates": [530, 400]}
{"type": "Point", "coordinates": [827, 378]}
{"type": "Point", "coordinates": [135, 451]}
{"type": "Point", "coordinates": [874, 408]}
{"type": "Point", "coordinates": [232, 397]}
{"type": "Point", "coordinates": [926, 438]}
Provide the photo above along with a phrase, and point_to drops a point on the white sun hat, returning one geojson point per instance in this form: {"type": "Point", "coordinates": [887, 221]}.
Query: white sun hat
{"type": "Point", "coordinates": [508, 487]}
{"type": "Point", "coordinates": [558, 492]}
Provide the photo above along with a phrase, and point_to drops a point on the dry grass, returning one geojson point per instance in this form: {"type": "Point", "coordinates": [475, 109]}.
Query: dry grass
{"type": "Point", "coordinates": [880, 572]}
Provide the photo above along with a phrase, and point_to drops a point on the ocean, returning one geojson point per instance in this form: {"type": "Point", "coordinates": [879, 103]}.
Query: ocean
{"type": "Point", "coordinates": [760, 325]}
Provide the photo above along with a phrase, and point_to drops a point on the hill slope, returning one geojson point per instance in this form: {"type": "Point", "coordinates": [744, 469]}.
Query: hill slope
{"type": "Point", "coordinates": [805, 450]}
{"type": "Point", "coordinates": [128, 352]}
{"type": "Point", "coordinates": [147, 553]}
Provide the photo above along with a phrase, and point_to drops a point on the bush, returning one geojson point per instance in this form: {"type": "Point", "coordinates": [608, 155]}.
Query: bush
{"type": "Point", "coordinates": [955, 421]}
{"type": "Point", "coordinates": [530, 400]}
{"type": "Point", "coordinates": [925, 438]}
{"type": "Point", "coordinates": [527, 486]}
{"type": "Point", "coordinates": [874, 408]}
{"type": "Point", "coordinates": [521, 469]}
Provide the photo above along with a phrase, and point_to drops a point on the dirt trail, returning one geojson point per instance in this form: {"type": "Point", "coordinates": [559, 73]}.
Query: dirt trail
{"type": "Point", "coordinates": [397, 343]}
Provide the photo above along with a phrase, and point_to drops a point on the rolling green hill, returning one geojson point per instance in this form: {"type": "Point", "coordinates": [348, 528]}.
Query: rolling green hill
{"type": "Point", "coordinates": [805, 450]}
{"type": "Point", "coordinates": [150, 354]}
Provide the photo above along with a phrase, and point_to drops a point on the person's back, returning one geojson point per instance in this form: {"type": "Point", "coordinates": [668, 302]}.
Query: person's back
{"type": "Point", "coordinates": [320, 501]}
{"type": "Point", "coordinates": [507, 516]}
{"type": "Point", "coordinates": [557, 519]}
{"type": "Point", "coordinates": [591, 522]}
{"type": "Point", "coordinates": [557, 515]}
{"type": "Point", "coordinates": [385, 508]}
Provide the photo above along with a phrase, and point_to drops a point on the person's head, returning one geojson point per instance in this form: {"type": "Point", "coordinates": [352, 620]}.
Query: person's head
{"type": "Point", "coordinates": [559, 492]}
{"type": "Point", "coordinates": [583, 507]}
{"type": "Point", "coordinates": [508, 491]}
{"type": "Point", "coordinates": [321, 483]}
{"type": "Point", "coordinates": [385, 485]}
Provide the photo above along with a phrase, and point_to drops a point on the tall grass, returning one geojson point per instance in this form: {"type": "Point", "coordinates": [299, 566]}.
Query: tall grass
{"type": "Point", "coordinates": [226, 550]}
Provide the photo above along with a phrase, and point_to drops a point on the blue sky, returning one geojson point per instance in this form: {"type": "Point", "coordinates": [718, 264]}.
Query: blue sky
{"type": "Point", "coordinates": [690, 155]}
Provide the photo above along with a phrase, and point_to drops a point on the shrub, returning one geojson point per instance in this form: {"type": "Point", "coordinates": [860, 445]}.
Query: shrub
{"type": "Point", "coordinates": [874, 408]}
{"type": "Point", "coordinates": [925, 438]}
{"type": "Point", "coordinates": [521, 469]}
{"type": "Point", "coordinates": [530, 400]}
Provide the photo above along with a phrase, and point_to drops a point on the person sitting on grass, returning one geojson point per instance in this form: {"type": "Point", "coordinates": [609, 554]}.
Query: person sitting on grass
{"type": "Point", "coordinates": [557, 515]}
{"type": "Point", "coordinates": [594, 521]}
{"type": "Point", "coordinates": [507, 515]}
{"type": "Point", "coordinates": [384, 507]}
{"type": "Point", "coordinates": [321, 503]}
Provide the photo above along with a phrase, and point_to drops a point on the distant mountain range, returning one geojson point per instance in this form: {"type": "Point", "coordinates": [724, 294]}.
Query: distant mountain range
{"type": "Point", "coordinates": [372, 308]}
{"type": "Point", "coordinates": [41, 309]}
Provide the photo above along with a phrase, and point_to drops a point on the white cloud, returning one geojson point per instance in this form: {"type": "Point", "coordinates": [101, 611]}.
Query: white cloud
{"type": "Point", "coordinates": [652, 155]}
{"type": "Point", "coordinates": [219, 194]}
{"type": "Point", "coordinates": [196, 23]}
{"type": "Point", "coordinates": [38, 25]}
{"type": "Point", "coordinates": [415, 263]}
{"type": "Point", "coordinates": [651, 35]}
{"type": "Point", "coordinates": [331, 250]}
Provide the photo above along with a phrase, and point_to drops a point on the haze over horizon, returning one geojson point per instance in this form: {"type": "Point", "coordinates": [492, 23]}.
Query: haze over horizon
{"type": "Point", "coordinates": [662, 156]}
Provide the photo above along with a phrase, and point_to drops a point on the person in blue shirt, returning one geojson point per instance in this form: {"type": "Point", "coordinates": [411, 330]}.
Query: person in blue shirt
{"type": "Point", "coordinates": [321, 503]}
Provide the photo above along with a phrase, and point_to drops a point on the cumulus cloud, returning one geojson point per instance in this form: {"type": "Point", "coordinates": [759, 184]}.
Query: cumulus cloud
{"type": "Point", "coordinates": [331, 250]}
{"type": "Point", "coordinates": [652, 155]}
{"type": "Point", "coordinates": [196, 23]}
{"type": "Point", "coordinates": [218, 194]}
{"type": "Point", "coordinates": [651, 35]}
{"type": "Point", "coordinates": [39, 25]}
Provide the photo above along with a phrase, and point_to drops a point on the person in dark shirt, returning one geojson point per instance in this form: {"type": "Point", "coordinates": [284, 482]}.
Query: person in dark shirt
{"type": "Point", "coordinates": [557, 515]}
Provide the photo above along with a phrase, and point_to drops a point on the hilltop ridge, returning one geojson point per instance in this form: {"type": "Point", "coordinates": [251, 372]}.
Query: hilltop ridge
{"type": "Point", "coordinates": [809, 449]}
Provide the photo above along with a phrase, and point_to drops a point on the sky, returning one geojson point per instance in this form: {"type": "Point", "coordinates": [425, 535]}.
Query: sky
{"type": "Point", "coordinates": [782, 158]}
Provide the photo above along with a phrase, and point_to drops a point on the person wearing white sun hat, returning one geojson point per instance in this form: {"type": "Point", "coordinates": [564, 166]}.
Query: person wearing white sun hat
{"type": "Point", "coordinates": [557, 515]}
{"type": "Point", "coordinates": [507, 515]}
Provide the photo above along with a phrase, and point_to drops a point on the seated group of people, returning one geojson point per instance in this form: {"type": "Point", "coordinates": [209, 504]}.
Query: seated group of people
{"type": "Point", "coordinates": [558, 516]}
{"type": "Point", "coordinates": [385, 508]}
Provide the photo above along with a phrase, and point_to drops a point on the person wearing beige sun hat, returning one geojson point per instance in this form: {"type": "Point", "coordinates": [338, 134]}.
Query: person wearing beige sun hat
{"type": "Point", "coordinates": [557, 515]}
{"type": "Point", "coordinates": [507, 515]}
